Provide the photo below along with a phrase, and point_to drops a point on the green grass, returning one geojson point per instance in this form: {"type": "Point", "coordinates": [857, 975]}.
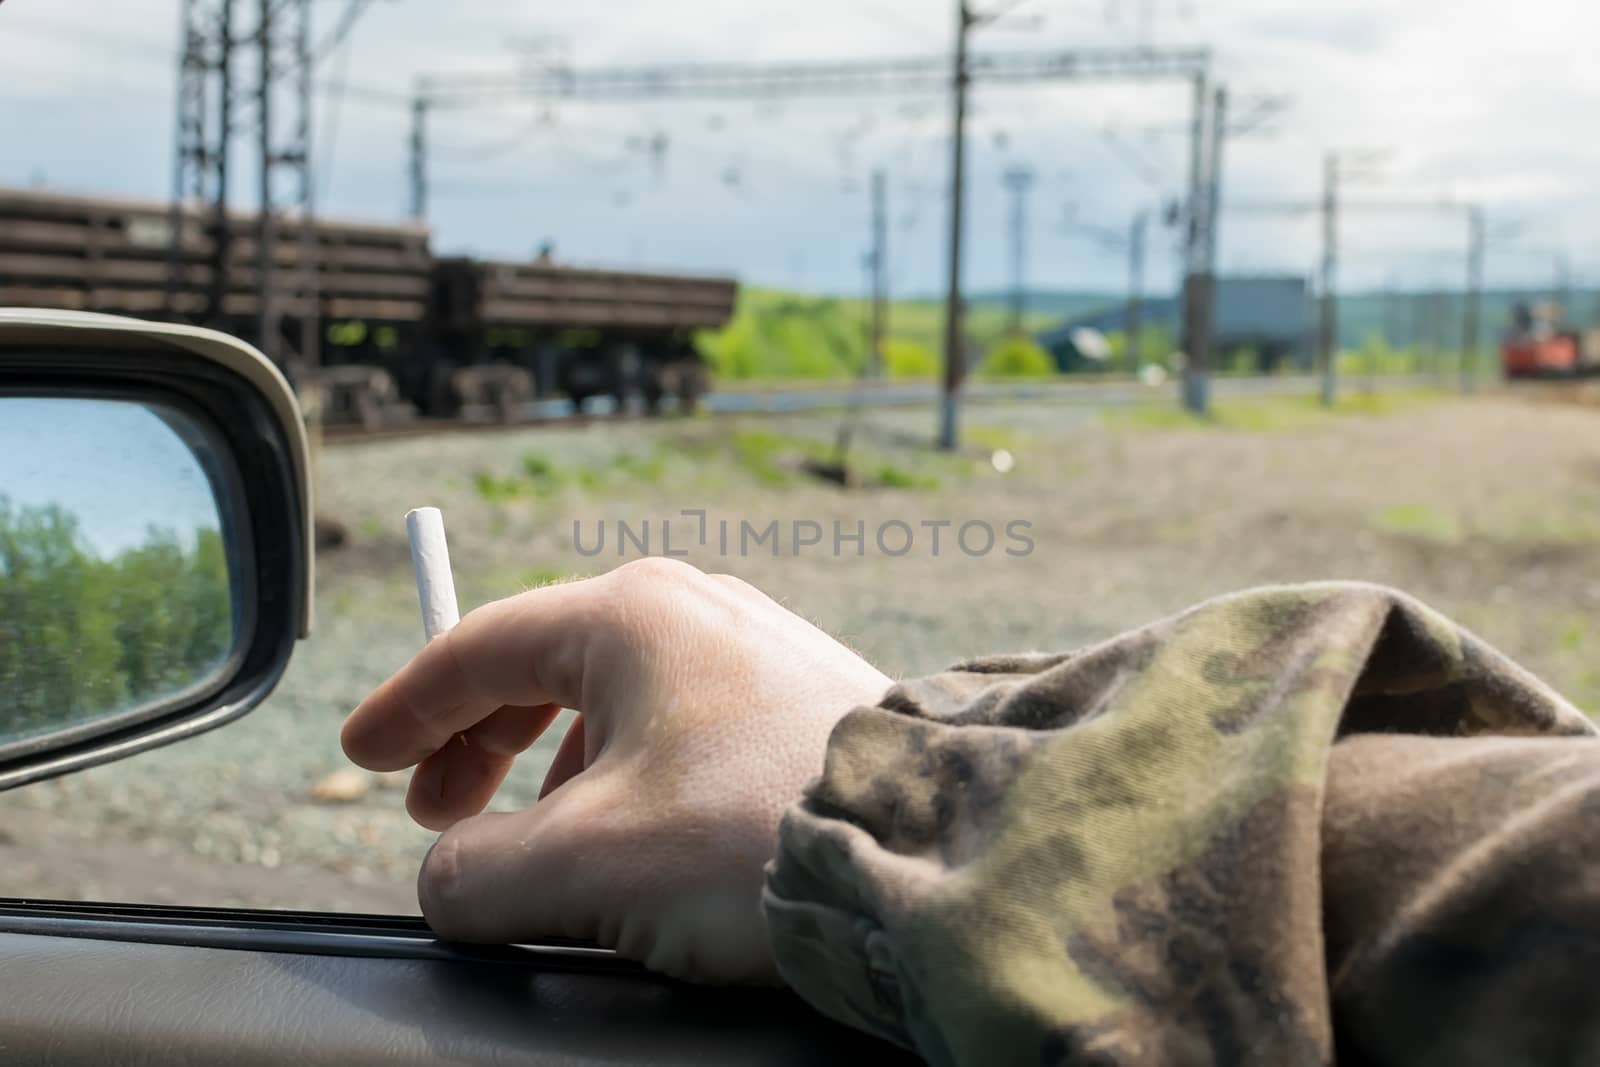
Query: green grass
{"type": "Point", "coordinates": [764, 455]}
{"type": "Point", "coordinates": [698, 457]}
{"type": "Point", "coordinates": [891, 477]}
{"type": "Point", "coordinates": [1422, 522]}
{"type": "Point", "coordinates": [1273, 414]}
{"type": "Point", "coordinates": [540, 477]}
{"type": "Point", "coordinates": [498, 490]}
{"type": "Point", "coordinates": [992, 437]}
{"type": "Point", "coordinates": [1508, 523]}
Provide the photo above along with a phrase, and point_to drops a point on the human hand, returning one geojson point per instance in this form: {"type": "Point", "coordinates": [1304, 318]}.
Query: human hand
{"type": "Point", "coordinates": [704, 710]}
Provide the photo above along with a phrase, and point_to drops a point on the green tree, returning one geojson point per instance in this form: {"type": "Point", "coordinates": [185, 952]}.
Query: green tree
{"type": "Point", "coordinates": [1018, 357]}
{"type": "Point", "coordinates": [909, 359]}
{"type": "Point", "coordinates": [82, 637]}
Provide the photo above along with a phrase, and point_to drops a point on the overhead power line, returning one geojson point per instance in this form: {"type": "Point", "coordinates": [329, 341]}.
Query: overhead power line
{"type": "Point", "coordinates": [923, 74]}
{"type": "Point", "coordinates": [348, 18]}
{"type": "Point", "coordinates": [771, 81]}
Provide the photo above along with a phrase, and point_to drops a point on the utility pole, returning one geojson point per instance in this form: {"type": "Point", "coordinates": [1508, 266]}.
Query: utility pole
{"type": "Point", "coordinates": [1328, 318]}
{"type": "Point", "coordinates": [1563, 293]}
{"type": "Point", "coordinates": [1385, 332]}
{"type": "Point", "coordinates": [1204, 351]}
{"type": "Point", "coordinates": [1018, 181]}
{"type": "Point", "coordinates": [880, 272]}
{"type": "Point", "coordinates": [954, 350]}
{"type": "Point", "coordinates": [1470, 322]}
{"type": "Point", "coordinates": [419, 157]}
{"type": "Point", "coordinates": [1194, 385]}
{"type": "Point", "coordinates": [1436, 339]}
{"type": "Point", "coordinates": [1134, 327]}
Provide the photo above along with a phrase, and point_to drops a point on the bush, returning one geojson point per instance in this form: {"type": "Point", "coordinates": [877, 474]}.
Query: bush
{"type": "Point", "coordinates": [1018, 357]}
{"type": "Point", "coordinates": [909, 359]}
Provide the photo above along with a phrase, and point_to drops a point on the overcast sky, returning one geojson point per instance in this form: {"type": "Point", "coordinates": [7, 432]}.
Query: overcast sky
{"type": "Point", "coordinates": [1470, 98]}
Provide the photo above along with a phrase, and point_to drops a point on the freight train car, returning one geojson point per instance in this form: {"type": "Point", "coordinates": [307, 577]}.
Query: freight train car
{"type": "Point", "coordinates": [400, 332]}
{"type": "Point", "coordinates": [581, 333]}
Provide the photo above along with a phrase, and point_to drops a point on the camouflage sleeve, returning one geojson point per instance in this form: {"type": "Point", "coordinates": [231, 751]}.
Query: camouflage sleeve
{"type": "Point", "coordinates": [1220, 839]}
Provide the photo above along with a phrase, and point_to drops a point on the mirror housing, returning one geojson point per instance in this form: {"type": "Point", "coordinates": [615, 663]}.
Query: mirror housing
{"type": "Point", "coordinates": [256, 443]}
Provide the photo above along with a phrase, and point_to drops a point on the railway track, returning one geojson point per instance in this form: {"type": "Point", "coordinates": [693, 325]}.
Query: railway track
{"type": "Point", "coordinates": [559, 414]}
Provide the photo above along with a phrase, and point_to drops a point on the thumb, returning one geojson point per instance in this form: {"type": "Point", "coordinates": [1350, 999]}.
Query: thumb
{"type": "Point", "coordinates": [497, 878]}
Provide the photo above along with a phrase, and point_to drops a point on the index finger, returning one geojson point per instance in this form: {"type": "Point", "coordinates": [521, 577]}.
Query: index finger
{"type": "Point", "coordinates": [523, 651]}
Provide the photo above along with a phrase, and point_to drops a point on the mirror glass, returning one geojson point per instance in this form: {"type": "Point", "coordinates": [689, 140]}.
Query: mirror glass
{"type": "Point", "coordinates": [117, 587]}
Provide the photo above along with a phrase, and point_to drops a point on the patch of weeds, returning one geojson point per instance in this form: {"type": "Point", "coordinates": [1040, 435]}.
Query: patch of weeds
{"type": "Point", "coordinates": [1273, 414]}
{"type": "Point", "coordinates": [1157, 418]}
{"type": "Point", "coordinates": [541, 477]}
{"type": "Point", "coordinates": [538, 466]}
{"type": "Point", "coordinates": [1574, 633]}
{"type": "Point", "coordinates": [544, 478]}
{"type": "Point", "coordinates": [372, 527]}
{"type": "Point", "coordinates": [783, 461]}
{"type": "Point", "coordinates": [650, 469]}
{"type": "Point", "coordinates": [589, 479]}
{"type": "Point", "coordinates": [992, 437]}
{"type": "Point", "coordinates": [498, 490]}
{"type": "Point", "coordinates": [891, 477]}
{"type": "Point", "coordinates": [761, 453]}
{"type": "Point", "coordinates": [1420, 521]}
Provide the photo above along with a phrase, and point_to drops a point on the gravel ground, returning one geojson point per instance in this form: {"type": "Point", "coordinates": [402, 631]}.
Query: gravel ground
{"type": "Point", "coordinates": [1489, 509]}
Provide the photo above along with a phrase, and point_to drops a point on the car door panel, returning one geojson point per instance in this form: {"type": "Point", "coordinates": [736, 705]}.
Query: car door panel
{"type": "Point", "coordinates": [196, 987]}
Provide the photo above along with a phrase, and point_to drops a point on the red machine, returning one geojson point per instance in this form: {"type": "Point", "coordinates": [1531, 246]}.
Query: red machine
{"type": "Point", "coordinates": [1539, 345]}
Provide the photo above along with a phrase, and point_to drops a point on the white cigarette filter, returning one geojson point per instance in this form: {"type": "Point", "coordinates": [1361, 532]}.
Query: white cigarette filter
{"type": "Point", "coordinates": [430, 557]}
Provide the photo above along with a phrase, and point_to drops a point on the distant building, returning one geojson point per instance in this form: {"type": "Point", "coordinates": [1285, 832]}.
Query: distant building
{"type": "Point", "coordinates": [1269, 316]}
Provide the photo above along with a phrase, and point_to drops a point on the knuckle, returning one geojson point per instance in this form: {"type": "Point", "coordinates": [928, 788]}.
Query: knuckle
{"type": "Point", "coordinates": [653, 570]}
{"type": "Point", "coordinates": [736, 584]}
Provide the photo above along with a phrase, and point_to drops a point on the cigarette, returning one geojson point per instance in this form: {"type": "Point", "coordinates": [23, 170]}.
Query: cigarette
{"type": "Point", "coordinates": [430, 558]}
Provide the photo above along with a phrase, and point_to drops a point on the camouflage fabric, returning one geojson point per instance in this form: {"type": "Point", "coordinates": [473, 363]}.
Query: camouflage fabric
{"type": "Point", "coordinates": [1285, 822]}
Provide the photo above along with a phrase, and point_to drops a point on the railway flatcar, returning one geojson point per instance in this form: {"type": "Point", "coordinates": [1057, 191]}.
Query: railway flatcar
{"type": "Point", "coordinates": [399, 332]}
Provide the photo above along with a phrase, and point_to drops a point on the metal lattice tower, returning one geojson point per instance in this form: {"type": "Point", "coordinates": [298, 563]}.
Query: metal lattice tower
{"type": "Point", "coordinates": [214, 107]}
{"type": "Point", "coordinates": [283, 77]}
{"type": "Point", "coordinates": [200, 165]}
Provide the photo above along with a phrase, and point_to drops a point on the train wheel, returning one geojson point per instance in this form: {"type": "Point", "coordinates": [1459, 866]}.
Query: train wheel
{"type": "Point", "coordinates": [692, 385]}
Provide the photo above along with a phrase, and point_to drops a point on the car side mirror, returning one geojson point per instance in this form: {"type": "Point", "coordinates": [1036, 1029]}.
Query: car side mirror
{"type": "Point", "coordinates": [155, 547]}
